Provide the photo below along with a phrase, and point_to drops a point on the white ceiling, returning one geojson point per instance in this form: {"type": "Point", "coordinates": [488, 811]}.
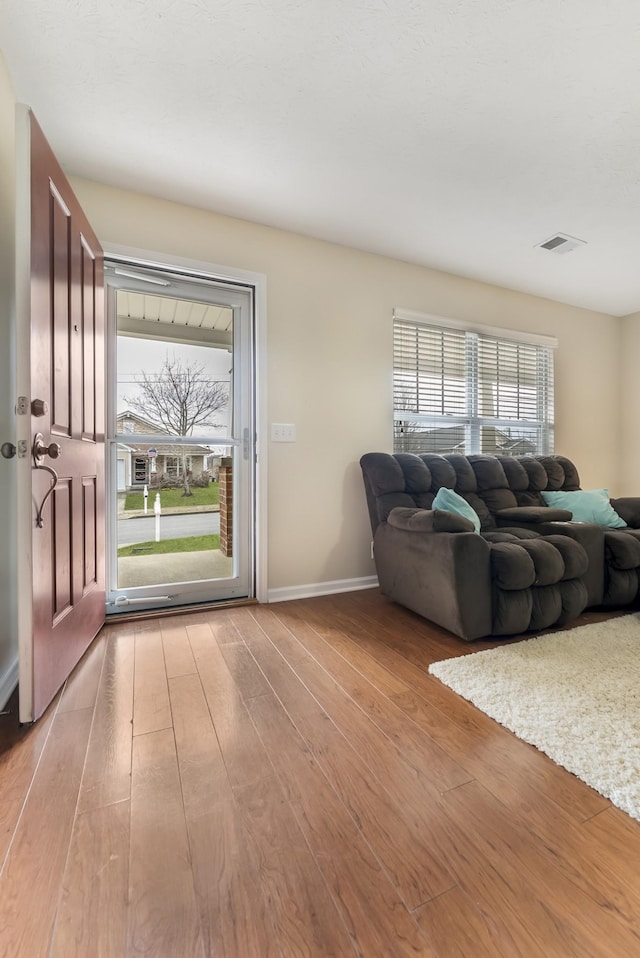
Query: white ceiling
{"type": "Point", "coordinates": [452, 134]}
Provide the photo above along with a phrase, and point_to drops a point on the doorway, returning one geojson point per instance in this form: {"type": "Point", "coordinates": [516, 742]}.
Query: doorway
{"type": "Point", "coordinates": [180, 438]}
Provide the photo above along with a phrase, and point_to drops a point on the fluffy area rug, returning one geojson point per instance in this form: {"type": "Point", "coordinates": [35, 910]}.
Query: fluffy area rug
{"type": "Point", "coordinates": [575, 695]}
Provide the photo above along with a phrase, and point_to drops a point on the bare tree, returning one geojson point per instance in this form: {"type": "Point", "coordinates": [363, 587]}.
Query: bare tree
{"type": "Point", "coordinates": [179, 398]}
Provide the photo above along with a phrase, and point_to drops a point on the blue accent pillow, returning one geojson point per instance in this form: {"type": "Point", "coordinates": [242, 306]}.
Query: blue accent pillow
{"type": "Point", "coordinates": [587, 505]}
{"type": "Point", "coordinates": [449, 501]}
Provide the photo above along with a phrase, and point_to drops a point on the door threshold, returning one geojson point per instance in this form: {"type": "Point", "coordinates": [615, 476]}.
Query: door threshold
{"type": "Point", "coordinates": [164, 612]}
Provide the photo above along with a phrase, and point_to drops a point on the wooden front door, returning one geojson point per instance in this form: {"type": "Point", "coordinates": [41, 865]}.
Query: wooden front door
{"type": "Point", "coordinates": [66, 406]}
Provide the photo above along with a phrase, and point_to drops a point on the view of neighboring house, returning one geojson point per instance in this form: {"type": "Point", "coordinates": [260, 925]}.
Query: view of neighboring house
{"type": "Point", "coordinates": [451, 439]}
{"type": "Point", "coordinates": [141, 463]}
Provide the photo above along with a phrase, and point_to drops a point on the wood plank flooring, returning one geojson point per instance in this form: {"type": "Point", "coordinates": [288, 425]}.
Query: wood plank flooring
{"type": "Point", "coordinates": [287, 781]}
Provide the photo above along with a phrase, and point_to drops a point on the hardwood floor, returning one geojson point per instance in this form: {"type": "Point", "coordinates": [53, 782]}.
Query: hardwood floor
{"type": "Point", "coordinates": [287, 781]}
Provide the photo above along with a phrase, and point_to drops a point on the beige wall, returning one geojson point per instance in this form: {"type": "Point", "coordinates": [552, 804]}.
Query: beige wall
{"type": "Point", "coordinates": [630, 406]}
{"type": "Point", "coordinates": [8, 600]}
{"type": "Point", "coordinates": [329, 365]}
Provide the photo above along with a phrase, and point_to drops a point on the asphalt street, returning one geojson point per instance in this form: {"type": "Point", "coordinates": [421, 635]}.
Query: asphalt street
{"type": "Point", "coordinates": [171, 527]}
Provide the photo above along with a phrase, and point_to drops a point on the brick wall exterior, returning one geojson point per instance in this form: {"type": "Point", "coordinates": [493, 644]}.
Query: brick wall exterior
{"type": "Point", "coordinates": [226, 507]}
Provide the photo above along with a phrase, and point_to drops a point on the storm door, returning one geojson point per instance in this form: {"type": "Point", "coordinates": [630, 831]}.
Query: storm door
{"type": "Point", "coordinates": [181, 439]}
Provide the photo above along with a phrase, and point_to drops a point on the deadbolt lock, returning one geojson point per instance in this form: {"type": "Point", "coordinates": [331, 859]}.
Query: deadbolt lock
{"type": "Point", "coordinates": [39, 407]}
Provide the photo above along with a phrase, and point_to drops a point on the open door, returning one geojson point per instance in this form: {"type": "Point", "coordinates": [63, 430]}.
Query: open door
{"type": "Point", "coordinates": [60, 415]}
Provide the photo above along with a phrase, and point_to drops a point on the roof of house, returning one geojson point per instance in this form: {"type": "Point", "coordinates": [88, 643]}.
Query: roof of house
{"type": "Point", "coordinates": [151, 428]}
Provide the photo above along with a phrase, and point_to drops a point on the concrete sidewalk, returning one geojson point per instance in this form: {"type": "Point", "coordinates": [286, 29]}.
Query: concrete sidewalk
{"type": "Point", "coordinates": [172, 567]}
{"type": "Point", "coordinates": [166, 511]}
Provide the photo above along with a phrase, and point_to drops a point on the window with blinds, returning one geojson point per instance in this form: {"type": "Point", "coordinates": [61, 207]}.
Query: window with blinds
{"type": "Point", "coordinates": [467, 391]}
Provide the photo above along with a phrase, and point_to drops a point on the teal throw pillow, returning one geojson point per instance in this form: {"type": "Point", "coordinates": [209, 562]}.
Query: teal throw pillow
{"type": "Point", "coordinates": [449, 501]}
{"type": "Point", "coordinates": [587, 505]}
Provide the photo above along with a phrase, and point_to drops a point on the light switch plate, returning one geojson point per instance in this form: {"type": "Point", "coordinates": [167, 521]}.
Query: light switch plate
{"type": "Point", "coordinates": [283, 432]}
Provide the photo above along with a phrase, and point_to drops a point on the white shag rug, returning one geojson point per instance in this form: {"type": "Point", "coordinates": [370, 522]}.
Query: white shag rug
{"type": "Point", "coordinates": [574, 695]}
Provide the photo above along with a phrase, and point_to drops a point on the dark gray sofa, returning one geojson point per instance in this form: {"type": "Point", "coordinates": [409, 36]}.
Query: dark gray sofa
{"type": "Point", "coordinates": [529, 568]}
{"type": "Point", "coordinates": [614, 554]}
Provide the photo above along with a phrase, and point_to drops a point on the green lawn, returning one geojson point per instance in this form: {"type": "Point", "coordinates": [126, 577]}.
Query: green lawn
{"type": "Point", "coordinates": [189, 544]}
{"type": "Point", "coordinates": [207, 496]}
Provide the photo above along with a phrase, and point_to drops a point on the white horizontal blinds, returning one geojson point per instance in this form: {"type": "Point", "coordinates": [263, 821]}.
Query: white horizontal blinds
{"type": "Point", "coordinates": [546, 411]}
{"type": "Point", "coordinates": [458, 390]}
{"type": "Point", "coordinates": [429, 382]}
{"type": "Point", "coordinates": [508, 379]}
{"type": "Point", "coordinates": [515, 396]}
{"type": "Point", "coordinates": [429, 370]}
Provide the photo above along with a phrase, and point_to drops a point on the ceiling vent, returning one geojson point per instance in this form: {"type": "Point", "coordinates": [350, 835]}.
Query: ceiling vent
{"type": "Point", "coordinates": [561, 243]}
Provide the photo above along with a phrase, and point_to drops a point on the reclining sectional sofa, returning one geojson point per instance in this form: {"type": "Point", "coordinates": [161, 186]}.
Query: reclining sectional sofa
{"type": "Point", "coordinates": [528, 566]}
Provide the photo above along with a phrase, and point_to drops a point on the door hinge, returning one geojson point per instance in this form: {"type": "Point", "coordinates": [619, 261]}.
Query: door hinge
{"type": "Point", "coordinates": [22, 406]}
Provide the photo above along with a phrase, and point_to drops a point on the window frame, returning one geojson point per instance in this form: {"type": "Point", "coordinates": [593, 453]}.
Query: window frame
{"type": "Point", "coordinates": [476, 339]}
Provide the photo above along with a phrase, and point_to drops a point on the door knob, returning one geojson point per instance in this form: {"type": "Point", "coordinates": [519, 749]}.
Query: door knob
{"type": "Point", "coordinates": [40, 450]}
{"type": "Point", "coordinates": [8, 450]}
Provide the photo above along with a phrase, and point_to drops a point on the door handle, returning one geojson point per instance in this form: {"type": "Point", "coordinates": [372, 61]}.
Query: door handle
{"type": "Point", "coordinates": [8, 450]}
{"type": "Point", "coordinates": [39, 450]}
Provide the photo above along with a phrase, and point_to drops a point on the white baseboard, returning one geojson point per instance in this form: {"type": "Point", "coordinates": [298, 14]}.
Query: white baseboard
{"type": "Point", "coordinates": [321, 588]}
{"type": "Point", "coordinates": [8, 682]}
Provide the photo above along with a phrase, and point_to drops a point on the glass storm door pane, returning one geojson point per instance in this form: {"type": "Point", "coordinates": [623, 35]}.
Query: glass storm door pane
{"type": "Point", "coordinates": [181, 466]}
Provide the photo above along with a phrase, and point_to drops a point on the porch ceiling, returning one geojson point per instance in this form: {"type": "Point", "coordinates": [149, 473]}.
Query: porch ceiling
{"type": "Point", "coordinates": [146, 315]}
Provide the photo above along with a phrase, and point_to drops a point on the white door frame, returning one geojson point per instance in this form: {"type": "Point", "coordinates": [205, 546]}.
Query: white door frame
{"type": "Point", "coordinates": [222, 274]}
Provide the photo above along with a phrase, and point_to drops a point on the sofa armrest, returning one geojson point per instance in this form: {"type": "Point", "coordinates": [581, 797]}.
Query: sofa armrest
{"type": "Point", "coordinates": [428, 520]}
{"type": "Point", "coordinates": [628, 508]}
{"type": "Point", "coordinates": [445, 578]}
{"type": "Point", "coordinates": [532, 514]}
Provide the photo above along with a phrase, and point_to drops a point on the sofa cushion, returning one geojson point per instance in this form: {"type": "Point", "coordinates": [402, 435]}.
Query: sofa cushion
{"type": "Point", "coordinates": [427, 520]}
{"type": "Point", "coordinates": [547, 560]}
{"type": "Point", "coordinates": [465, 476]}
{"type": "Point", "coordinates": [489, 473]}
{"type": "Point", "coordinates": [512, 568]}
{"type": "Point", "coordinates": [515, 472]}
{"type": "Point", "coordinates": [554, 471]}
{"type": "Point", "coordinates": [515, 532]}
{"type": "Point", "coordinates": [536, 473]}
{"type": "Point", "coordinates": [449, 501]}
{"type": "Point", "coordinates": [499, 535]}
{"type": "Point", "coordinates": [392, 500]}
{"type": "Point", "coordinates": [576, 561]}
{"type": "Point", "coordinates": [546, 607]}
{"type": "Point", "coordinates": [511, 611]}
{"type": "Point", "coordinates": [628, 508]}
{"type": "Point", "coordinates": [442, 472]}
{"type": "Point", "coordinates": [622, 549]}
{"type": "Point", "coordinates": [417, 476]}
{"type": "Point", "coordinates": [497, 499]}
{"type": "Point", "coordinates": [587, 505]}
{"type": "Point", "coordinates": [573, 596]}
{"type": "Point", "coordinates": [534, 514]}
{"type": "Point", "coordinates": [571, 477]}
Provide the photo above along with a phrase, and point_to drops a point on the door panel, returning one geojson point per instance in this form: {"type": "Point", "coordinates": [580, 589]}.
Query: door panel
{"type": "Point", "coordinates": [89, 523]}
{"type": "Point", "coordinates": [88, 368]}
{"type": "Point", "coordinates": [62, 529]}
{"type": "Point", "coordinates": [67, 363]}
{"type": "Point", "coordinates": [55, 259]}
